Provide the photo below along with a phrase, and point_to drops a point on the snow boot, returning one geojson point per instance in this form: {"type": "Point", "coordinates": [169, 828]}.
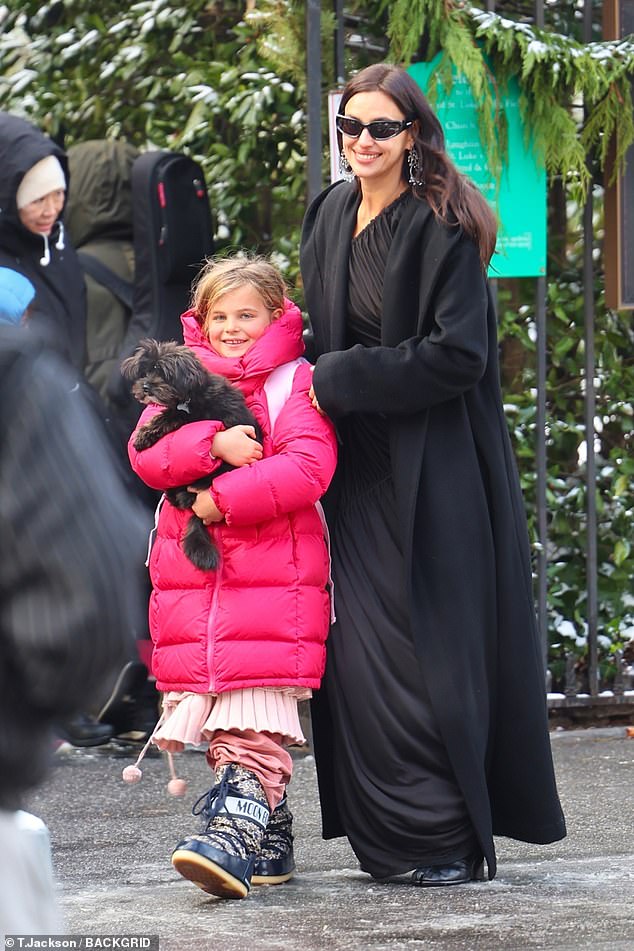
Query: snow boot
{"type": "Point", "coordinates": [275, 863]}
{"type": "Point", "coordinates": [221, 857]}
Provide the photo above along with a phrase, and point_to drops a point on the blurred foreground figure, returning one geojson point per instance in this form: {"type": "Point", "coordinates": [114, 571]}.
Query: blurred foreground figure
{"type": "Point", "coordinates": [70, 541]}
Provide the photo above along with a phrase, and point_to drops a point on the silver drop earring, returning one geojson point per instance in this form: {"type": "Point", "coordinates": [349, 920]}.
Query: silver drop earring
{"type": "Point", "coordinates": [415, 168]}
{"type": "Point", "coordinates": [345, 169]}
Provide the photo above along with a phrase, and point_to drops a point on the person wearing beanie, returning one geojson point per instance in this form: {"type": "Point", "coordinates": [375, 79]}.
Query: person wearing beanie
{"type": "Point", "coordinates": [34, 182]}
{"type": "Point", "coordinates": [40, 196]}
{"type": "Point", "coordinates": [16, 294]}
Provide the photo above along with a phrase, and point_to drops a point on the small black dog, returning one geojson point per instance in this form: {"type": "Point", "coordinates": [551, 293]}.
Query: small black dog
{"type": "Point", "coordinates": [172, 376]}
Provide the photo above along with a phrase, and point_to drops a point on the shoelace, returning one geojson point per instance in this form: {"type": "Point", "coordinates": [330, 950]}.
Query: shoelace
{"type": "Point", "coordinates": [211, 802]}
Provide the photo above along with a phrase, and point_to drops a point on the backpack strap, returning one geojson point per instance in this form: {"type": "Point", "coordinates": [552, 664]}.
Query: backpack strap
{"type": "Point", "coordinates": [278, 386]}
{"type": "Point", "coordinates": [103, 275]}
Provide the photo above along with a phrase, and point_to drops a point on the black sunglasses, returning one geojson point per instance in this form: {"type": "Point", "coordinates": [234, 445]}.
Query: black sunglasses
{"type": "Point", "coordinates": [379, 129]}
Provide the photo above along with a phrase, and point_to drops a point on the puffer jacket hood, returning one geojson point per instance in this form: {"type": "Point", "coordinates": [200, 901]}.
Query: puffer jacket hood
{"type": "Point", "coordinates": [262, 617]}
{"type": "Point", "coordinates": [100, 201]}
{"type": "Point", "coordinates": [281, 342]}
{"type": "Point", "coordinates": [22, 145]}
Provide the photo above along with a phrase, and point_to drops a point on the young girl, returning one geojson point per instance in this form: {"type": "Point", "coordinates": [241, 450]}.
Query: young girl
{"type": "Point", "coordinates": [236, 648]}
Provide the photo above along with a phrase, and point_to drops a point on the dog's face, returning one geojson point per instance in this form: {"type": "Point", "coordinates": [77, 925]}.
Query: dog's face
{"type": "Point", "coordinates": [163, 373]}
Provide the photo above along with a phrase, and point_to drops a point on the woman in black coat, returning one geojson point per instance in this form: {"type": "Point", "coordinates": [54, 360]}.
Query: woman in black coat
{"type": "Point", "coordinates": [431, 728]}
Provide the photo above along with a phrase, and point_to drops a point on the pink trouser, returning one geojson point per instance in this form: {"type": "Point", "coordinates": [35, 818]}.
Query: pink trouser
{"type": "Point", "coordinates": [262, 753]}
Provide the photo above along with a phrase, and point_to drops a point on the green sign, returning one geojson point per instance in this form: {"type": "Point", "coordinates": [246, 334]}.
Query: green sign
{"type": "Point", "coordinates": [520, 199]}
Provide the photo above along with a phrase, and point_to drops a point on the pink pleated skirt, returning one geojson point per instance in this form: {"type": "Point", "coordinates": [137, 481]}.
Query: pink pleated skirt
{"type": "Point", "coordinates": [191, 719]}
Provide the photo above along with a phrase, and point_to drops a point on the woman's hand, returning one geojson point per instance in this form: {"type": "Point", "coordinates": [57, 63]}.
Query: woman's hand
{"type": "Point", "coordinates": [204, 506]}
{"type": "Point", "coordinates": [313, 399]}
{"type": "Point", "coordinates": [237, 446]}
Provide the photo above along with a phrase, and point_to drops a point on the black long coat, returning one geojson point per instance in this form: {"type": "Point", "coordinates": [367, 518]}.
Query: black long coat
{"type": "Point", "coordinates": [462, 519]}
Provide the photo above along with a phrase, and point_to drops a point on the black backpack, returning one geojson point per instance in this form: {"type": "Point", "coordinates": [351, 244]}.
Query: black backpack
{"type": "Point", "coordinates": [172, 237]}
{"type": "Point", "coordinates": [173, 234]}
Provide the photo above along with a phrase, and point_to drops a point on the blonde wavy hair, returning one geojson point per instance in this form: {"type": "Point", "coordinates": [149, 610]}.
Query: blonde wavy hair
{"type": "Point", "coordinates": [220, 276]}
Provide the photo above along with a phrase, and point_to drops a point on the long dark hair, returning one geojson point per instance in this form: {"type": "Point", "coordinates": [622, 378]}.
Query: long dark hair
{"type": "Point", "coordinates": [452, 196]}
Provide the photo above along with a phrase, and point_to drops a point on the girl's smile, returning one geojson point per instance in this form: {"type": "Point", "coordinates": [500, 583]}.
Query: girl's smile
{"type": "Point", "coordinates": [236, 320]}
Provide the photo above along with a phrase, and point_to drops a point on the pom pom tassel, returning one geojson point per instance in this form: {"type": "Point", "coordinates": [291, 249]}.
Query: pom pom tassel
{"type": "Point", "coordinates": [133, 774]}
{"type": "Point", "coordinates": [175, 787]}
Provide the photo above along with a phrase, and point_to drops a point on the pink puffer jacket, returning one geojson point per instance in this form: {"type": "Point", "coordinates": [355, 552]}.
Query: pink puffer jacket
{"type": "Point", "coordinates": [262, 618]}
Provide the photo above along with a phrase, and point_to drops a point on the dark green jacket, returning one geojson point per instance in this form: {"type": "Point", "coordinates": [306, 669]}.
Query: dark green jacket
{"type": "Point", "coordinates": [99, 220]}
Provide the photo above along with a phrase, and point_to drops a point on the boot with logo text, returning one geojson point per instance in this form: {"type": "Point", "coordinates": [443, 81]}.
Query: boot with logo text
{"type": "Point", "coordinates": [221, 857]}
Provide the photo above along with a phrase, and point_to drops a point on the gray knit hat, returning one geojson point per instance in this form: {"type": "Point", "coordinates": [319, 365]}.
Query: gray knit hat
{"type": "Point", "coordinates": [44, 177]}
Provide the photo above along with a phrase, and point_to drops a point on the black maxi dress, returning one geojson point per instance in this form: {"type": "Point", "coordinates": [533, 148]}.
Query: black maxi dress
{"type": "Point", "coordinates": [397, 796]}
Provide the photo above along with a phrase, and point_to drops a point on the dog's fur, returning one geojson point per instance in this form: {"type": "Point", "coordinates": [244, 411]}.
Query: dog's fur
{"type": "Point", "coordinates": [172, 376]}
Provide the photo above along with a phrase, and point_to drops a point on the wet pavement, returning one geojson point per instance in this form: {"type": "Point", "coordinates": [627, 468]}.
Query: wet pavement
{"type": "Point", "coordinates": [111, 846]}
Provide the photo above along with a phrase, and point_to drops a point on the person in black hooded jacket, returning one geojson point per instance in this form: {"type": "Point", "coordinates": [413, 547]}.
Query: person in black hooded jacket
{"type": "Point", "coordinates": [33, 242]}
{"type": "Point", "coordinates": [33, 186]}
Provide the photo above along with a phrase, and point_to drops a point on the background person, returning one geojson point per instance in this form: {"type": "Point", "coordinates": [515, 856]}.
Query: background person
{"type": "Point", "coordinates": [33, 243]}
{"type": "Point", "coordinates": [431, 727]}
{"type": "Point", "coordinates": [99, 219]}
{"type": "Point", "coordinates": [33, 187]}
{"type": "Point", "coordinates": [16, 303]}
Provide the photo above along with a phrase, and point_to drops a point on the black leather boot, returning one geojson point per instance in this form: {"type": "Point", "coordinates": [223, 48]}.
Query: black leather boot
{"type": "Point", "coordinates": [84, 730]}
{"type": "Point", "coordinates": [132, 707]}
{"type": "Point", "coordinates": [460, 872]}
{"type": "Point", "coordinates": [469, 869]}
